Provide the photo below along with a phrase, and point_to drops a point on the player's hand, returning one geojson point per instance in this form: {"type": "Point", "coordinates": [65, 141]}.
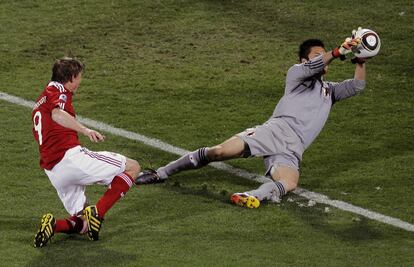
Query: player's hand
{"type": "Point", "coordinates": [358, 60]}
{"type": "Point", "coordinates": [93, 135]}
{"type": "Point", "coordinates": [345, 48]}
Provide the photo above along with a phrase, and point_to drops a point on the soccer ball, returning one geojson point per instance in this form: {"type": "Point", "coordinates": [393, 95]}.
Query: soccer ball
{"type": "Point", "coordinates": [370, 43]}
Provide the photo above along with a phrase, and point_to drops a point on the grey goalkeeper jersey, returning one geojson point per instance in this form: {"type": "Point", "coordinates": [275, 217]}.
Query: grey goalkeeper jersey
{"type": "Point", "coordinates": [307, 101]}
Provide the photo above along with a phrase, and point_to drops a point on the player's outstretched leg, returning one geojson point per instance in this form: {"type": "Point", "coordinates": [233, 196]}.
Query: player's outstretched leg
{"type": "Point", "coordinates": [270, 190]}
{"type": "Point", "coordinates": [285, 179]}
{"type": "Point", "coordinates": [191, 160]}
{"type": "Point", "coordinates": [231, 148]}
{"type": "Point", "coordinates": [46, 230]}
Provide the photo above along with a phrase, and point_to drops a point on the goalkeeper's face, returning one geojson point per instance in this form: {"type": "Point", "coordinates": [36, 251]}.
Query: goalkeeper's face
{"type": "Point", "coordinates": [317, 51]}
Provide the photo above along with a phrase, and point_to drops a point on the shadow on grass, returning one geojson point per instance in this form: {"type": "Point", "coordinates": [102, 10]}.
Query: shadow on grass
{"type": "Point", "coordinates": [344, 228]}
{"type": "Point", "coordinates": [79, 252]}
{"type": "Point", "coordinates": [205, 190]}
{"type": "Point", "coordinates": [349, 228]}
{"type": "Point", "coordinates": [64, 250]}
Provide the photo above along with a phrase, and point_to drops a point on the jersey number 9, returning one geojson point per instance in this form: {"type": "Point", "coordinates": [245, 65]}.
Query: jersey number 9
{"type": "Point", "coordinates": [38, 126]}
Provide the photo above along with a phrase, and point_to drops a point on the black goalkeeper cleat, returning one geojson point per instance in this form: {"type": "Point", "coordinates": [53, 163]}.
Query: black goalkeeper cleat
{"type": "Point", "coordinates": [93, 221]}
{"type": "Point", "coordinates": [46, 230]}
{"type": "Point", "coordinates": [148, 177]}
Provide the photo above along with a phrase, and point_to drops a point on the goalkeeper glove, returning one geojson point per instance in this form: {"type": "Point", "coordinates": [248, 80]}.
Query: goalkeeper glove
{"type": "Point", "coordinates": [345, 48]}
{"type": "Point", "coordinates": [355, 31]}
{"type": "Point", "coordinates": [358, 60]}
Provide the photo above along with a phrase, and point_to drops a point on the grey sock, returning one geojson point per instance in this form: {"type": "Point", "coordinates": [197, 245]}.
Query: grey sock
{"type": "Point", "coordinates": [192, 160]}
{"type": "Point", "coordinates": [270, 190]}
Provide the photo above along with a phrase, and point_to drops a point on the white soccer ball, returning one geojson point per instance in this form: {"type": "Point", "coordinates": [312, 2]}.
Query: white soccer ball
{"type": "Point", "coordinates": [370, 43]}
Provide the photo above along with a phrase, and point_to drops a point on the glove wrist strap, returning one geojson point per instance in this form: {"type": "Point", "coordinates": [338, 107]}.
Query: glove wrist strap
{"type": "Point", "coordinates": [336, 53]}
{"type": "Point", "coordinates": [358, 60]}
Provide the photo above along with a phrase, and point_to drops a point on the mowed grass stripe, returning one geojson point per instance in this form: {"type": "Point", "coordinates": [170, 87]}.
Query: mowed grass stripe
{"type": "Point", "coordinates": [320, 198]}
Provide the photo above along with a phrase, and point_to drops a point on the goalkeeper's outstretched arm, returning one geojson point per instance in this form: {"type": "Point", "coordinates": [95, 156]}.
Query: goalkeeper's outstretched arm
{"type": "Point", "coordinates": [360, 73]}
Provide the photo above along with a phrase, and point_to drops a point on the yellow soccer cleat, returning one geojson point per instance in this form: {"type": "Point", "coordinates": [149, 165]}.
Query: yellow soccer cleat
{"type": "Point", "coordinates": [93, 221]}
{"type": "Point", "coordinates": [46, 230]}
{"type": "Point", "coordinates": [245, 200]}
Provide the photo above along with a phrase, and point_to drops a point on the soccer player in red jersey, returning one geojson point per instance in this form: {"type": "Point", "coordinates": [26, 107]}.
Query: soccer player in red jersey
{"type": "Point", "coordinates": [69, 166]}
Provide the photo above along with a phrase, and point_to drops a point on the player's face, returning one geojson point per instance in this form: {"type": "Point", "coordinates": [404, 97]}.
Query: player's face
{"type": "Point", "coordinates": [74, 84]}
{"type": "Point", "coordinates": [316, 51]}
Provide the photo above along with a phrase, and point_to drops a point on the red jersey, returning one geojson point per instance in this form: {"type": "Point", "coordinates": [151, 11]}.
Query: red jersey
{"type": "Point", "coordinates": [53, 139]}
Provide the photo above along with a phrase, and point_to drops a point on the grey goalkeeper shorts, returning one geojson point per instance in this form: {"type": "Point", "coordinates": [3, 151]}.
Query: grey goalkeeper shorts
{"type": "Point", "coordinates": [276, 142]}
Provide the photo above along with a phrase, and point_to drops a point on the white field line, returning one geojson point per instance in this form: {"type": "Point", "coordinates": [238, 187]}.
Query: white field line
{"type": "Point", "coordinates": [225, 167]}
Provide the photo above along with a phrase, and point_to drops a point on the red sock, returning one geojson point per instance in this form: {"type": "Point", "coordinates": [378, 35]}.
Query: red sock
{"type": "Point", "coordinates": [62, 226]}
{"type": "Point", "coordinates": [71, 225]}
{"type": "Point", "coordinates": [117, 189]}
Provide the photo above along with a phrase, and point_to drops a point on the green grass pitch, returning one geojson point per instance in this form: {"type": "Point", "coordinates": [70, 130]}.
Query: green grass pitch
{"type": "Point", "coordinates": [193, 73]}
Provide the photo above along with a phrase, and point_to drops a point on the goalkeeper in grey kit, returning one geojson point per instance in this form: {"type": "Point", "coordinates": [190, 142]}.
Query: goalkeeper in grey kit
{"type": "Point", "coordinates": [296, 121]}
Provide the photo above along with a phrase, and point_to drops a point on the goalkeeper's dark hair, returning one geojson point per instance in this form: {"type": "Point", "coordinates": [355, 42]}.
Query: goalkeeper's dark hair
{"type": "Point", "coordinates": [305, 47]}
{"type": "Point", "coordinates": [65, 69]}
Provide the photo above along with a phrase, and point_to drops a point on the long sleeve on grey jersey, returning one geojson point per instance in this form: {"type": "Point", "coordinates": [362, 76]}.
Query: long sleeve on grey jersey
{"type": "Point", "coordinates": [346, 88]}
{"type": "Point", "coordinates": [307, 101]}
{"type": "Point", "coordinates": [300, 72]}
